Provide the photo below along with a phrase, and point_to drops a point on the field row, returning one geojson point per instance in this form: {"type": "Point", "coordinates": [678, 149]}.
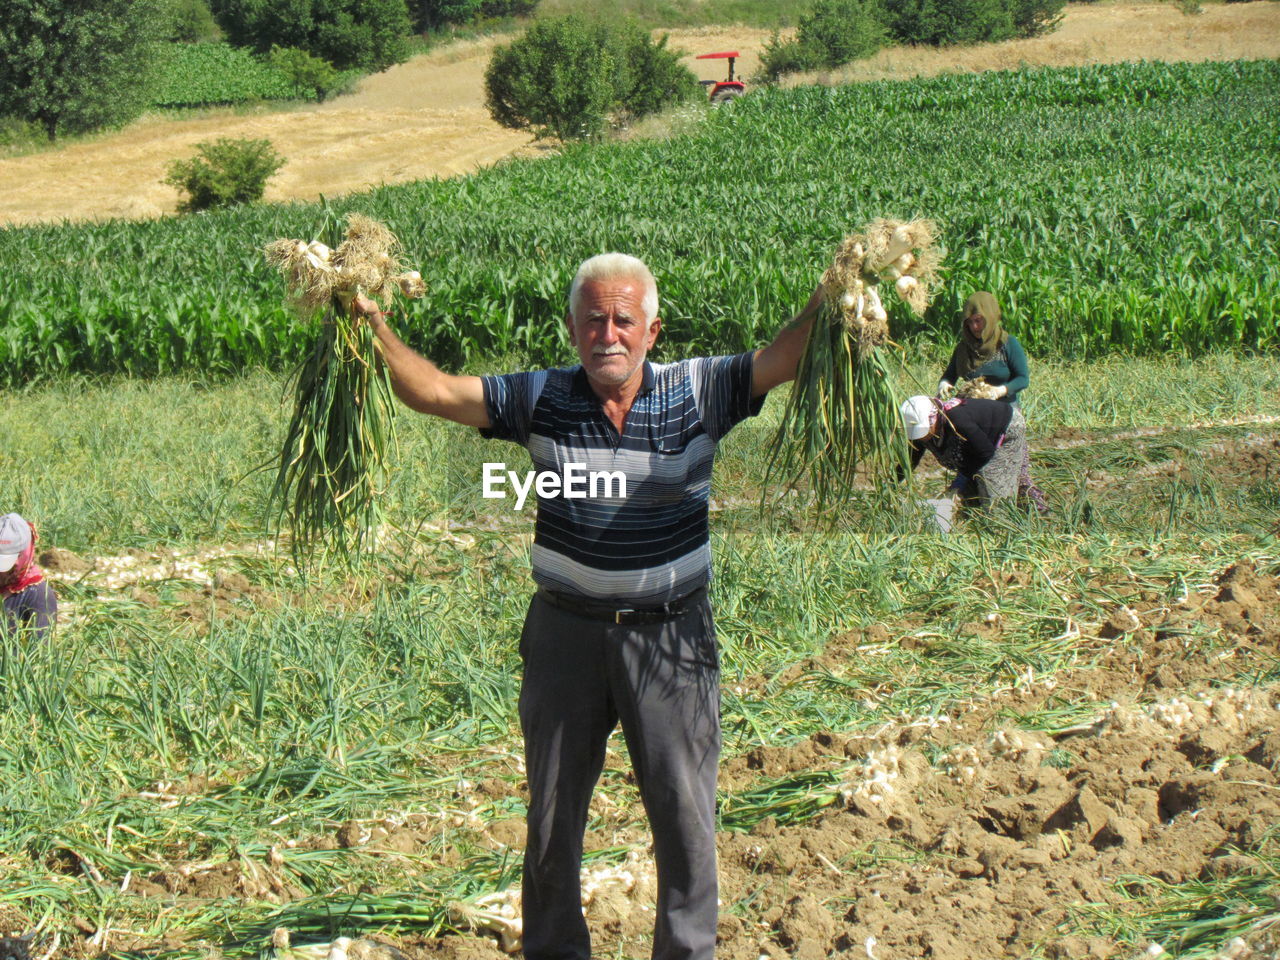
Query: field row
{"type": "Point", "coordinates": [211, 74]}
{"type": "Point", "coordinates": [1118, 208]}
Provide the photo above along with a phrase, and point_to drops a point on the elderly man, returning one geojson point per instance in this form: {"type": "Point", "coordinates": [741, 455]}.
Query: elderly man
{"type": "Point", "coordinates": [620, 628]}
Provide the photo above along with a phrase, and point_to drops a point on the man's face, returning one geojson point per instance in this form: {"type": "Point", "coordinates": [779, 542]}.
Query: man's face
{"type": "Point", "coordinates": [610, 332]}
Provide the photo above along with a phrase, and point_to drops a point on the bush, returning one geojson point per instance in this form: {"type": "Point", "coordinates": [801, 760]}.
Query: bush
{"type": "Point", "coordinates": [831, 34]}
{"type": "Point", "coordinates": [649, 76]}
{"type": "Point", "coordinates": [835, 32]}
{"type": "Point", "coordinates": [566, 77]}
{"type": "Point", "coordinates": [840, 31]}
{"type": "Point", "coordinates": [224, 172]}
{"type": "Point", "coordinates": [306, 73]}
{"type": "Point", "coordinates": [1031, 18]}
{"type": "Point", "coordinates": [508, 8]}
{"type": "Point", "coordinates": [369, 34]}
{"type": "Point", "coordinates": [434, 14]}
{"type": "Point", "coordinates": [781, 57]}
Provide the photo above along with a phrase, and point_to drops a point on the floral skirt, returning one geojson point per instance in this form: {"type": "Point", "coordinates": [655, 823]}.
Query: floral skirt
{"type": "Point", "coordinates": [999, 478]}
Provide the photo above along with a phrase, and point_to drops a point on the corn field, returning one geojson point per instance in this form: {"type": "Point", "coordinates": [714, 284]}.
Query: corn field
{"type": "Point", "coordinates": [1124, 208]}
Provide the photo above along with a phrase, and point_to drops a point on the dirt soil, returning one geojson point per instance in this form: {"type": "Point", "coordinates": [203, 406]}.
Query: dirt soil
{"type": "Point", "coordinates": [426, 118]}
{"type": "Point", "coordinates": [960, 837]}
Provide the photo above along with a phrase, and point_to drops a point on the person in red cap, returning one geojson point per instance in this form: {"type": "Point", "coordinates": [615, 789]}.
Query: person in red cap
{"type": "Point", "coordinates": [29, 601]}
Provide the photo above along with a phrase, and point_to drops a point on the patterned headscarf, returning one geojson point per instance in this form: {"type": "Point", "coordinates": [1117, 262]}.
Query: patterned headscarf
{"type": "Point", "coordinates": [25, 572]}
{"type": "Point", "coordinates": [974, 352]}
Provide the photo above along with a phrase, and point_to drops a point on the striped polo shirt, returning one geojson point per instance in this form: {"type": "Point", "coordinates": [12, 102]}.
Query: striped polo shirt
{"type": "Point", "coordinates": [651, 545]}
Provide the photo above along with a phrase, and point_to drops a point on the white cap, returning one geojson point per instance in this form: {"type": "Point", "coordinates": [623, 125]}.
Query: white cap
{"type": "Point", "coordinates": [918, 414]}
{"type": "Point", "coordinates": [15, 537]}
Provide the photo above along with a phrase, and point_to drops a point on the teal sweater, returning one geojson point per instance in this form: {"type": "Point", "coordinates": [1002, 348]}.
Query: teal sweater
{"type": "Point", "coordinates": [1008, 367]}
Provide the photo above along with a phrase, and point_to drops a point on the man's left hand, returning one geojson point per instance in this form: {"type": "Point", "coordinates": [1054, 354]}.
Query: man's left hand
{"type": "Point", "coordinates": [776, 363]}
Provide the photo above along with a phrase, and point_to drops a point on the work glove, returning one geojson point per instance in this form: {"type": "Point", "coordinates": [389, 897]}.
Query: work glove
{"type": "Point", "coordinates": [945, 389]}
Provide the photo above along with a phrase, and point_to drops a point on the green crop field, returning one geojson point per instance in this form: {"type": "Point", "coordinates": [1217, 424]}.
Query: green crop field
{"type": "Point", "coordinates": [218, 74]}
{"type": "Point", "coordinates": [1118, 208]}
{"type": "Point", "coordinates": [207, 74]}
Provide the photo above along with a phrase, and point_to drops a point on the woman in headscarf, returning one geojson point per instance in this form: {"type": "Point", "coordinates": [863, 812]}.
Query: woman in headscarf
{"type": "Point", "coordinates": [29, 601]}
{"type": "Point", "coordinates": [990, 355]}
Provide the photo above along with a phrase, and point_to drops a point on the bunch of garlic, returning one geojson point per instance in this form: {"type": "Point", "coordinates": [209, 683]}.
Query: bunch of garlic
{"type": "Point", "coordinates": [622, 878]}
{"type": "Point", "coordinates": [886, 251]}
{"type": "Point", "coordinates": [1016, 746]}
{"type": "Point", "coordinates": [977, 389]}
{"type": "Point", "coordinates": [365, 263]}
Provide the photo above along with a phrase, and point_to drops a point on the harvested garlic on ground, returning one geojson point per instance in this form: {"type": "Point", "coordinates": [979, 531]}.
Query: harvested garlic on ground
{"type": "Point", "coordinates": [906, 284]}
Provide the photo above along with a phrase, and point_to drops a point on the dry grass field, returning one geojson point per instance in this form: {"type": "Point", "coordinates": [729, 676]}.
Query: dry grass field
{"type": "Point", "coordinates": [427, 118]}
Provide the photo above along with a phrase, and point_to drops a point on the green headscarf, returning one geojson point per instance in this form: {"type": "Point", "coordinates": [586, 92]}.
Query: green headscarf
{"type": "Point", "coordinates": [973, 352]}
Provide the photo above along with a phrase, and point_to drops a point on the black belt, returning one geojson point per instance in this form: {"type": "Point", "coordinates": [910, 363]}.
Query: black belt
{"type": "Point", "coordinates": [612, 613]}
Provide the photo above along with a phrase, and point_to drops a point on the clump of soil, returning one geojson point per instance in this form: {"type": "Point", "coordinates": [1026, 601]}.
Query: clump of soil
{"type": "Point", "coordinates": [57, 560]}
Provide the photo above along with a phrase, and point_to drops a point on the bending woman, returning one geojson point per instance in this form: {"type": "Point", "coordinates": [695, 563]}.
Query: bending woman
{"type": "Point", "coordinates": [984, 441]}
{"type": "Point", "coordinates": [29, 601]}
{"type": "Point", "coordinates": [993, 361]}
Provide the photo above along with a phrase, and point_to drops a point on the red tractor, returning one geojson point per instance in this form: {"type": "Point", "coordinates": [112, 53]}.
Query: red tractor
{"type": "Point", "coordinates": [722, 91]}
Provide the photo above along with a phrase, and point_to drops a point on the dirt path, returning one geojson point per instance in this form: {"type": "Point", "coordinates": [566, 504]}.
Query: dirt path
{"type": "Point", "coordinates": [427, 118]}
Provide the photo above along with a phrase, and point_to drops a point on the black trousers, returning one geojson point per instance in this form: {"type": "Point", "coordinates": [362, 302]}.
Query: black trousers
{"type": "Point", "coordinates": [662, 680]}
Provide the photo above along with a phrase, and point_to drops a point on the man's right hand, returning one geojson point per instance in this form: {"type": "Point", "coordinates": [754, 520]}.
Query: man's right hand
{"type": "Point", "coordinates": [367, 310]}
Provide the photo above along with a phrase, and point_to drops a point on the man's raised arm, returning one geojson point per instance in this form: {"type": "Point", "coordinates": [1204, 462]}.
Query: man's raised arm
{"type": "Point", "coordinates": [418, 382]}
{"type": "Point", "coordinates": [776, 363]}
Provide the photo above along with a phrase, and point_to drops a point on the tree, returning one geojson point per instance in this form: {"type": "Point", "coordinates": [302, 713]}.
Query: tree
{"type": "Point", "coordinates": [369, 34]}
{"type": "Point", "coordinates": [72, 66]}
{"type": "Point", "coordinates": [191, 22]}
{"type": "Point", "coordinates": [944, 22]}
{"type": "Point", "coordinates": [435, 14]}
{"type": "Point", "coordinates": [841, 31]}
{"type": "Point", "coordinates": [649, 75]}
{"type": "Point", "coordinates": [831, 34]}
{"type": "Point", "coordinates": [565, 77]}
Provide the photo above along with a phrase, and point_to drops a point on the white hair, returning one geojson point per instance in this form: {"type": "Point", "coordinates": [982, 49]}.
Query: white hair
{"type": "Point", "coordinates": [615, 266]}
